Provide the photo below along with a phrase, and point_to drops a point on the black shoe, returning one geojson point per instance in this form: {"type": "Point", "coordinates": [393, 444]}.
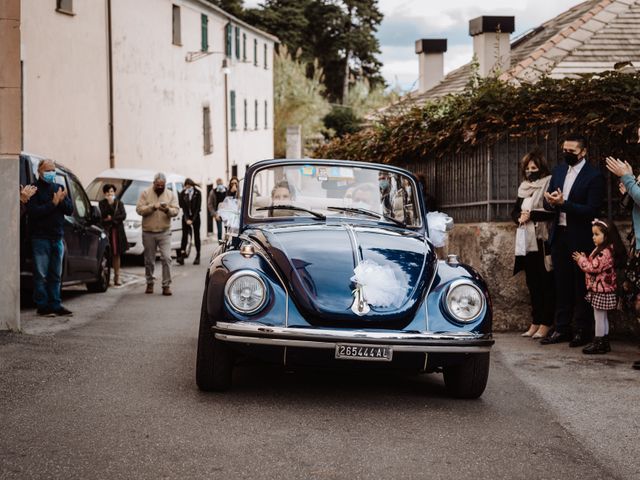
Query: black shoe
{"type": "Point", "coordinates": [197, 260]}
{"type": "Point", "coordinates": [606, 344]}
{"type": "Point", "coordinates": [580, 339]}
{"type": "Point", "coordinates": [597, 347]}
{"type": "Point", "coordinates": [555, 337]}
{"type": "Point", "coordinates": [63, 312]}
{"type": "Point", "coordinates": [45, 312]}
{"type": "Point", "coordinates": [636, 365]}
{"type": "Point", "coordinates": [180, 260]}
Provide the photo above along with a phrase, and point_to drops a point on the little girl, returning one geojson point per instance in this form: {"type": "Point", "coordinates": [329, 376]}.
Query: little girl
{"type": "Point", "coordinates": [600, 270]}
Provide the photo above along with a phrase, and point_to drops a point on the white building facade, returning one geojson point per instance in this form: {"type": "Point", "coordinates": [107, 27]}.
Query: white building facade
{"type": "Point", "coordinates": [145, 84]}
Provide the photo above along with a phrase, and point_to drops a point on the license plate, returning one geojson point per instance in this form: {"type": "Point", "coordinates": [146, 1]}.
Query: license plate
{"type": "Point", "coordinates": [364, 352]}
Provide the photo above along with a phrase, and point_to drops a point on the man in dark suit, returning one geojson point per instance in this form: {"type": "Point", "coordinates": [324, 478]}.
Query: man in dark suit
{"type": "Point", "coordinates": [190, 200]}
{"type": "Point", "coordinates": [575, 194]}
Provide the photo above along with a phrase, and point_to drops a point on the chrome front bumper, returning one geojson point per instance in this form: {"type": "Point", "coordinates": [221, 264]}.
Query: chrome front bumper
{"type": "Point", "coordinates": [252, 333]}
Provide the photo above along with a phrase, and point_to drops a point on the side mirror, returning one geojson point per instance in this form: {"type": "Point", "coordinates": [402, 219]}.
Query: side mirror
{"type": "Point", "coordinates": [96, 216]}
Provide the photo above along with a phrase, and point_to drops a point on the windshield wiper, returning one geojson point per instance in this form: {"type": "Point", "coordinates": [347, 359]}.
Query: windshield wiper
{"type": "Point", "coordinates": [293, 207]}
{"type": "Point", "coordinates": [369, 213]}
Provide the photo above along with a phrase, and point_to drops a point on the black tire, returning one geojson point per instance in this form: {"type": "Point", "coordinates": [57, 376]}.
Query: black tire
{"type": "Point", "coordinates": [214, 361]}
{"type": "Point", "coordinates": [101, 284]}
{"type": "Point", "coordinates": [468, 379]}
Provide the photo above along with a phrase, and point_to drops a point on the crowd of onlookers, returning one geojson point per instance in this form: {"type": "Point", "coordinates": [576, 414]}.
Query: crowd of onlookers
{"type": "Point", "coordinates": [576, 265]}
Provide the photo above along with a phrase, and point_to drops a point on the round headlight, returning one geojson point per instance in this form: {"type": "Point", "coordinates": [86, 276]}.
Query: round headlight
{"type": "Point", "coordinates": [465, 301]}
{"type": "Point", "coordinates": [246, 292]}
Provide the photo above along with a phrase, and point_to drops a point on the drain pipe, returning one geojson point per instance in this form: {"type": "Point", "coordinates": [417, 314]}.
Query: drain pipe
{"type": "Point", "coordinates": [112, 160]}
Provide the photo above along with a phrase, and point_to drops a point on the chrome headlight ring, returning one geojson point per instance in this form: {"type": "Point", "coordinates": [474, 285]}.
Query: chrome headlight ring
{"type": "Point", "coordinates": [245, 292]}
{"type": "Point", "coordinates": [465, 302]}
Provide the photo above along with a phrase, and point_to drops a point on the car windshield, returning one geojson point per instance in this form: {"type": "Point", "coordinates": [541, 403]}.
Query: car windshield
{"type": "Point", "coordinates": [128, 191]}
{"type": "Point", "coordinates": [318, 191]}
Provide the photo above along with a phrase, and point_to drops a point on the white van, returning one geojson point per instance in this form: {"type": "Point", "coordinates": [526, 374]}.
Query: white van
{"type": "Point", "coordinates": [130, 183]}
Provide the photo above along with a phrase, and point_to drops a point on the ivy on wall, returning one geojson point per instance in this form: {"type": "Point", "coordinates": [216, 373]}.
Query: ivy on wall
{"type": "Point", "coordinates": [605, 107]}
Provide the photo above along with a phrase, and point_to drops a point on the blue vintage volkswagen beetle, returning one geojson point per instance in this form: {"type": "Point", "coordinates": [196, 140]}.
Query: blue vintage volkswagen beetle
{"type": "Point", "coordinates": [331, 263]}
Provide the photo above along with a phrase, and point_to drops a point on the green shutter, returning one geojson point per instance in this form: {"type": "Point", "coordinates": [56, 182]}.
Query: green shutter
{"type": "Point", "coordinates": [238, 43]}
{"type": "Point", "coordinates": [228, 39]}
{"type": "Point", "coordinates": [265, 55]}
{"type": "Point", "coordinates": [204, 32]}
{"type": "Point", "coordinates": [266, 124]}
{"type": "Point", "coordinates": [232, 101]}
{"type": "Point", "coordinates": [246, 119]}
{"type": "Point", "coordinates": [255, 52]}
{"type": "Point", "coordinates": [244, 47]}
{"type": "Point", "coordinates": [256, 114]}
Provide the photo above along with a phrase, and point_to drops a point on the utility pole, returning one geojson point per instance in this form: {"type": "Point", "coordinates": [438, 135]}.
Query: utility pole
{"type": "Point", "coordinates": [10, 147]}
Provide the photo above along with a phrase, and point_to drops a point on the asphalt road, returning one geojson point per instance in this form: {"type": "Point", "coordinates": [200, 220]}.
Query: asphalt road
{"type": "Point", "coordinates": [111, 394]}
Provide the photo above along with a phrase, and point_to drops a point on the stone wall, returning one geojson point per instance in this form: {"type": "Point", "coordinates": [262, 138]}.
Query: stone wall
{"type": "Point", "coordinates": [489, 248]}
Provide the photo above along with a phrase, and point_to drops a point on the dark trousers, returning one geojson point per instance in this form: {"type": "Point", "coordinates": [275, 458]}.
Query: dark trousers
{"type": "Point", "coordinates": [219, 228]}
{"type": "Point", "coordinates": [570, 288]}
{"type": "Point", "coordinates": [196, 234]}
{"type": "Point", "coordinates": [541, 287]}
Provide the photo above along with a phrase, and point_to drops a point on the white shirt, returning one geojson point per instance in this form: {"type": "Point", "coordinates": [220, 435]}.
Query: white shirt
{"type": "Point", "coordinates": [569, 180]}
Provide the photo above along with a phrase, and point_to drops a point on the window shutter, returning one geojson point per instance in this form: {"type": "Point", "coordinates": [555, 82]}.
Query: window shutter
{"type": "Point", "coordinates": [228, 39]}
{"type": "Point", "coordinates": [246, 119]}
{"type": "Point", "coordinates": [238, 43]}
{"type": "Point", "coordinates": [232, 101]}
{"type": "Point", "coordinates": [265, 55]}
{"type": "Point", "coordinates": [266, 112]}
{"type": "Point", "coordinates": [244, 47]}
{"type": "Point", "coordinates": [204, 32]}
{"type": "Point", "coordinates": [255, 52]}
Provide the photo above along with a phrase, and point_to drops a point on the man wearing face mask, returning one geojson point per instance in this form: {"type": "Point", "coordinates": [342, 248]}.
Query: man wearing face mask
{"type": "Point", "coordinates": [575, 195]}
{"type": "Point", "coordinates": [190, 201]}
{"type": "Point", "coordinates": [46, 210]}
{"type": "Point", "coordinates": [156, 206]}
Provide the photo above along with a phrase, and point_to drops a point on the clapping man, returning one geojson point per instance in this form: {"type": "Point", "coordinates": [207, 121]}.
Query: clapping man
{"type": "Point", "coordinates": [46, 209]}
{"type": "Point", "coordinates": [575, 194]}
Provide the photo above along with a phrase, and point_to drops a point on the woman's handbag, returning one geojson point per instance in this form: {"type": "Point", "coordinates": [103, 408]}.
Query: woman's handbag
{"type": "Point", "coordinates": [548, 263]}
{"type": "Point", "coordinates": [521, 241]}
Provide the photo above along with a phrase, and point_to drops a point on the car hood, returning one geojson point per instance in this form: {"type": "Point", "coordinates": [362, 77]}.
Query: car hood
{"type": "Point", "coordinates": [318, 262]}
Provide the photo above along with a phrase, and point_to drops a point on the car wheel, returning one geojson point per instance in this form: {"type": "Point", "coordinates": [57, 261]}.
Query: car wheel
{"type": "Point", "coordinates": [214, 361]}
{"type": "Point", "coordinates": [104, 275]}
{"type": "Point", "coordinates": [469, 378]}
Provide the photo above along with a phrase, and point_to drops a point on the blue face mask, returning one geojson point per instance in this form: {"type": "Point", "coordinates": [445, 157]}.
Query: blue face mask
{"type": "Point", "coordinates": [384, 184]}
{"type": "Point", "coordinates": [49, 177]}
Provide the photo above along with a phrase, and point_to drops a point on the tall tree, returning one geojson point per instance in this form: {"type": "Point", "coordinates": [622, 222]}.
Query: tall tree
{"type": "Point", "coordinates": [298, 99]}
{"type": "Point", "coordinates": [339, 33]}
{"type": "Point", "coordinates": [234, 7]}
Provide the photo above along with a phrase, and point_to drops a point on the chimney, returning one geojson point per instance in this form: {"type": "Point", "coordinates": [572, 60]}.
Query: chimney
{"type": "Point", "coordinates": [431, 56]}
{"type": "Point", "coordinates": [491, 42]}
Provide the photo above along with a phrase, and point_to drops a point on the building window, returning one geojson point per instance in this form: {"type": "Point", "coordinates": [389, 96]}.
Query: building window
{"type": "Point", "coordinates": [204, 32]}
{"type": "Point", "coordinates": [177, 40]}
{"type": "Point", "coordinates": [232, 101]}
{"type": "Point", "coordinates": [256, 115]}
{"type": "Point", "coordinates": [238, 43]}
{"type": "Point", "coordinates": [65, 6]}
{"type": "Point", "coordinates": [244, 47]}
{"type": "Point", "coordinates": [265, 55]}
{"type": "Point", "coordinates": [266, 115]}
{"type": "Point", "coordinates": [206, 130]}
{"type": "Point", "coordinates": [255, 52]}
{"type": "Point", "coordinates": [246, 117]}
{"type": "Point", "coordinates": [228, 39]}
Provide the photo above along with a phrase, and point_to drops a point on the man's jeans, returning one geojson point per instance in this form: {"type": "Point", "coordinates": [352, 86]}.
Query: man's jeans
{"type": "Point", "coordinates": [219, 228]}
{"type": "Point", "coordinates": [47, 272]}
{"type": "Point", "coordinates": [162, 241]}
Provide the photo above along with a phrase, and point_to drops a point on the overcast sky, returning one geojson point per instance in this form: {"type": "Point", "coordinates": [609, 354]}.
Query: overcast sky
{"type": "Point", "coordinates": [406, 21]}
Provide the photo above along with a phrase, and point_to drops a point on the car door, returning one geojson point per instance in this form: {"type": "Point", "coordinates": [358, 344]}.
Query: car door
{"type": "Point", "coordinates": [84, 254]}
{"type": "Point", "coordinates": [72, 238]}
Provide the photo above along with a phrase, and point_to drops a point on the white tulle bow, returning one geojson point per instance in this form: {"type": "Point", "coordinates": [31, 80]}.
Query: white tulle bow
{"type": "Point", "coordinates": [377, 286]}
